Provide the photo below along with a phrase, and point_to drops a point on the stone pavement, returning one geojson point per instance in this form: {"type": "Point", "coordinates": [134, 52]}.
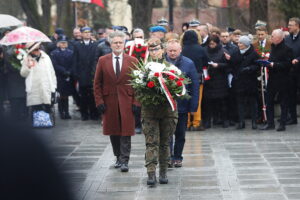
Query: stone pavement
{"type": "Point", "coordinates": [219, 164]}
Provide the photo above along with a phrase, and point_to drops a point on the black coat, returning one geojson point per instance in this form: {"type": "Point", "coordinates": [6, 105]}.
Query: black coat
{"type": "Point", "coordinates": [15, 83]}
{"type": "Point", "coordinates": [193, 50]}
{"type": "Point", "coordinates": [245, 72]}
{"type": "Point", "coordinates": [217, 86]}
{"type": "Point", "coordinates": [102, 49]}
{"type": "Point", "coordinates": [2, 81]}
{"type": "Point", "coordinates": [233, 51]}
{"type": "Point", "coordinates": [294, 44]}
{"type": "Point", "coordinates": [62, 62]}
{"type": "Point", "coordinates": [282, 56]}
{"type": "Point", "coordinates": [84, 62]}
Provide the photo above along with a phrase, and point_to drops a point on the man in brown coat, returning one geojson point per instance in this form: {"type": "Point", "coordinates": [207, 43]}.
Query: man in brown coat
{"type": "Point", "coordinates": [114, 98]}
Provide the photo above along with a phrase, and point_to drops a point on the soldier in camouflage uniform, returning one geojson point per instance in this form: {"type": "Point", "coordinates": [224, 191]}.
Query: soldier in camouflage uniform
{"type": "Point", "coordinates": [158, 124]}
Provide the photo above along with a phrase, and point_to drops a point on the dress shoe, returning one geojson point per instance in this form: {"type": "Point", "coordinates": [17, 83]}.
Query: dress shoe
{"type": "Point", "coordinates": [291, 122]}
{"type": "Point", "coordinates": [281, 128]}
{"type": "Point", "coordinates": [163, 179]}
{"type": "Point", "coordinates": [178, 163]}
{"type": "Point", "coordinates": [268, 127]}
{"type": "Point", "coordinates": [241, 125]}
{"type": "Point", "coordinates": [254, 125]}
{"type": "Point", "coordinates": [117, 164]}
{"type": "Point", "coordinates": [151, 179]}
{"type": "Point", "coordinates": [124, 167]}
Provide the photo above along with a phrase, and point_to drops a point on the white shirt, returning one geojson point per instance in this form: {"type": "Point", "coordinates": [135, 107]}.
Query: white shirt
{"type": "Point", "coordinates": [120, 61]}
{"type": "Point", "coordinates": [263, 43]}
{"type": "Point", "coordinates": [204, 39]}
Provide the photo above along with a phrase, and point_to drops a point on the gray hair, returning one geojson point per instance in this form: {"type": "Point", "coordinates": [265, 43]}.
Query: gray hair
{"type": "Point", "coordinates": [112, 35]}
{"type": "Point", "coordinates": [279, 32]}
{"type": "Point", "coordinates": [138, 30]}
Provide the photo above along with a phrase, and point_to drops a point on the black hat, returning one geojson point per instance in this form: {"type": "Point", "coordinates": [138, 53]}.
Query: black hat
{"type": "Point", "coordinates": [230, 30]}
{"type": "Point", "coordinates": [62, 38]}
{"type": "Point", "coordinates": [59, 31]}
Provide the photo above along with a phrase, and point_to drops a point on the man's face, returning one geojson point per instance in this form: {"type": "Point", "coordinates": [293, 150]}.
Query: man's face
{"type": "Point", "coordinates": [261, 35]}
{"type": "Point", "coordinates": [117, 45]}
{"type": "Point", "coordinates": [138, 35]}
{"type": "Point", "coordinates": [293, 27]}
{"type": "Point", "coordinates": [173, 50]}
{"type": "Point", "coordinates": [155, 52]}
{"type": "Point", "coordinates": [86, 35]}
{"type": "Point", "coordinates": [235, 38]}
{"type": "Point", "coordinates": [276, 38]}
{"type": "Point", "coordinates": [225, 37]}
{"type": "Point", "coordinates": [77, 34]}
{"type": "Point", "coordinates": [62, 45]}
{"type": "Point", "coordinates": [202, 31]}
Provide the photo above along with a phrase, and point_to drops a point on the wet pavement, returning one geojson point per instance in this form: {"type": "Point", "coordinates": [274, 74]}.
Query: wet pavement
{"type": "Point", "coordinates": [219, 164]}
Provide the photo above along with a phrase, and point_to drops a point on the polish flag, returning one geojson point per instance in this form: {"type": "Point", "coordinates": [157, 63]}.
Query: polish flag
{"type": "Point", "coordinates": [97, 2]}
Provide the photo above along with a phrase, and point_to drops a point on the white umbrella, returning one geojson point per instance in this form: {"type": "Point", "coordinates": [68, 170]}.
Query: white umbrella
{"type": "Point", "coordinates": [24, 34]}
{"type": "Point", "coordinates": [8, 20]}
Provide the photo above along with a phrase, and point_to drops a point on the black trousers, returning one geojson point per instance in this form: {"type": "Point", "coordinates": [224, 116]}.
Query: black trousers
{"type": "Point", "coordinates": [242, 99]}
{"type": "Point", "coordinates": [87, 102]}
{"type": "Point", "coordinates": [231, 105]}
{"type": "Point", "coordinates": [137, 116]}
{"type": "Point", "coordinates": [121, 147]}
{"type": "Point", "coordinates": [283, 100]}
{"type": "Point", "coordinates": [292, 102]}
{"type": "Point", "coordinates": [211, 108]}
{"type": "Point", "coordinates": [18, 109]}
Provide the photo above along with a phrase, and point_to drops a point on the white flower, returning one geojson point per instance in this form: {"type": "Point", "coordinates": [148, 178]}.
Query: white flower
{"type": "Point", "coordinates": [141, 75]}
{"type": "Point", "coordinates": [267, 55]}
{"type": "Point", "coordinates": [138, 81]}
{"type": "Point", "coordinates": [151, 75]}
{"type": "Point", "coordinates": [155, 66]}
{"type": "Point", "coordinates": [136, 72]}
{"type": "Point", "coordinates": [19, 57]}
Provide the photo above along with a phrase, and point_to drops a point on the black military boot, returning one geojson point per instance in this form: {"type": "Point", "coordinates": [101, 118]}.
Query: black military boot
{"type": "Point", "coordinates": [151, 179]}
{"type": "Point", "coordinates": [163, 179]}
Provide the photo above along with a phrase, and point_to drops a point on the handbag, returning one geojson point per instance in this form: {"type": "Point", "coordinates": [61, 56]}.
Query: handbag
{"type": "Point", "coordinates": [42, 119]}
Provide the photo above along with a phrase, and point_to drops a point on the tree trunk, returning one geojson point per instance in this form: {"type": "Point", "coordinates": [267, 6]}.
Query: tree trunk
{"type": "Point", "coordinates": [65, 16]}
{"type": "Point", "coordinates": [141, 13]}
{"type": "Point", "coordinates": [258, 11]}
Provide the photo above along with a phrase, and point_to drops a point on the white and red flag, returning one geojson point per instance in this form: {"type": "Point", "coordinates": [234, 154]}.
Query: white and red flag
{"type": "Point", "coordinates": [97, 2]}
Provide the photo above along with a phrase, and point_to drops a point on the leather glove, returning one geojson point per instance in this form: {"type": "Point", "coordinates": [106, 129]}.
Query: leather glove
{"type": "Point", "coordinates": [135, 109]}
{"type": "Point", "coordinates": [101, 109]}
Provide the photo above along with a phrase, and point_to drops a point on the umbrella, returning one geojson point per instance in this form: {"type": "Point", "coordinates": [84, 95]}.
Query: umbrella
{"type": "Point", "coordinates": [24, 34]}
{"type": "Point", "coordinates": [8, 20]}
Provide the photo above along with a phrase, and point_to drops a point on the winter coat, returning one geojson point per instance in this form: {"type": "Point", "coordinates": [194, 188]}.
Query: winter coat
{"type": "Point", "coordinates": [194, 51]}
{"type": "Point", "coordinates": [15, 83]}
{"type": "Point", "coordinates": [62, 61]}
{"type": "Point", "coordinates": [245, 72]}
{"type": "Point", "coordinates": [282, 56]}
{"type": "Point", "coordinates": [102, 49]}
{"type": "Point", "coordinates": [84, 62]}
{"type": "Point", "coordinates": [294, 44]}
{"type": "Point", "coordinates": [217, 86]}
{"type": "Point", "coordinates": [233, 51]}
{"type": "Point", "coordinates": [187, 67]}
{"type": "Point", "coordinates": [2, 81]}
{"type": "Point", "coordinates": [116, 94]}
{"type": "Point", "coordinates": [40, 80]}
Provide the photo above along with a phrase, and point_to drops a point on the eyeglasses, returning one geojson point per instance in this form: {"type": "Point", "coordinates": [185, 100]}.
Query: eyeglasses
{"type": "Point", "coordinates": [155, 49]}
{"type": "Point", "coordinates": [141, 37]}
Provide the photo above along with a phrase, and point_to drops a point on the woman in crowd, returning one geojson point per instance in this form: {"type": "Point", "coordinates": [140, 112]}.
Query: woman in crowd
{"type": "Point", "coordinates": [245, 81]}
{"type": "Point", "coordinates": [39, 77]}
{"type": "Point", "coordinates": [216, 86]}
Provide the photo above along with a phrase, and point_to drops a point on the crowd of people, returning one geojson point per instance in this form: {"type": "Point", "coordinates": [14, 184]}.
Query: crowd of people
{"type": "Point", "coordinates": [232, 74]}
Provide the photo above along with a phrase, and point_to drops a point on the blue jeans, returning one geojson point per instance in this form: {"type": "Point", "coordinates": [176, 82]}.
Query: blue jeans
{"type": "Point", "coordinates": [176, 151]}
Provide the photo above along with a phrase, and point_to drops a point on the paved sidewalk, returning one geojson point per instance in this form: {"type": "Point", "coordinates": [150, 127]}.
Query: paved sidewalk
{"type": "Point", "coordinates": [218, 164]}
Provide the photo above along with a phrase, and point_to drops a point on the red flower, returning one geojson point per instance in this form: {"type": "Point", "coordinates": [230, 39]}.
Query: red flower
{"type": "Point", "coordinates": [17, 51]}
{"type": "Point", "coordinates": [179, 83]}
{"type": "Point", "coordinates": [144, 48]}
{"type": "Point", "coordinates": [156, 74]}
{"type": "Point", "coordinates": [171, 77]}
{"type": "Point", "coordinates": [181, 79]}
{"type": "Point", "coordinates": [143, 55]}
{"type": "Point", "coordinates": [134, 55]}
{"type": "Point", "coordinates": [139, 45]}
{"type": "Point", "coordinates": [172, 71]}
{"type": "Point", "coordinates": [137, 49]}
{"type": "Point", "coordinates": [150, 84]}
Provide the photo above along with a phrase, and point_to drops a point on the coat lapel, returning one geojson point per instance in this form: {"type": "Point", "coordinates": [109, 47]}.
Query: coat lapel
{"type": "Point", "coordinates": [110, 68]}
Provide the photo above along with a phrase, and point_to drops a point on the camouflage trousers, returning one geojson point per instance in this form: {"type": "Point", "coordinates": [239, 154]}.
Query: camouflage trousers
{"type": "Point", "coordinates": [158, 125]}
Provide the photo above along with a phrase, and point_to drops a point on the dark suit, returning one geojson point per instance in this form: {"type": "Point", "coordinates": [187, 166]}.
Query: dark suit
{"type": "Point", "coordinates": [84, 68]}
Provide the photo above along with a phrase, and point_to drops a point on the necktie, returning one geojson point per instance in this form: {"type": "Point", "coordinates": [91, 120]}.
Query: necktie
{"type": "Point", "coordinates": [117, 66]}
{"type": "Point", "coordinates": [262, 43]}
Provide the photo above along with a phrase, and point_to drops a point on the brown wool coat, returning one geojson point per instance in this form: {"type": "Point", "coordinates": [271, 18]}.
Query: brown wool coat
{"type": "Point", "coordinates": [116, 94]}
{"type": "Point", "coordinates": [268, 45]}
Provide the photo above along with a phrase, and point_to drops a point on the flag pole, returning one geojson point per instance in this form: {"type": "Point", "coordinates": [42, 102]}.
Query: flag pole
{"type": "Point", "coordinates": [75, 13]}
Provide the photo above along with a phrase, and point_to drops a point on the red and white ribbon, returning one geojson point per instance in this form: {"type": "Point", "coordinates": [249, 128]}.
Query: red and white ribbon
{"type": "Point", "coordinates": [166, 90]}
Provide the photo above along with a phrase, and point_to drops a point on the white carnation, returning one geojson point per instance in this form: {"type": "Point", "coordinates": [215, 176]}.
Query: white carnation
{"type": "Point", "coordinates": [139, 81]}
{"type": "Point", "coordinates": [141, 75]}
{"type": "Point", "coordinates": [19, 57]}
{"type": "Point", "coordinates": [136, 72]}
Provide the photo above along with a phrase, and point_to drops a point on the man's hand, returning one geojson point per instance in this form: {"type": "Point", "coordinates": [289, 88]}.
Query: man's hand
{"type": "Point", "coordinates": [227, 56]}
{"type": "Point", "coordinates": [101, 109]}
{"type": "Point", "coordinates": [295, 61]}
